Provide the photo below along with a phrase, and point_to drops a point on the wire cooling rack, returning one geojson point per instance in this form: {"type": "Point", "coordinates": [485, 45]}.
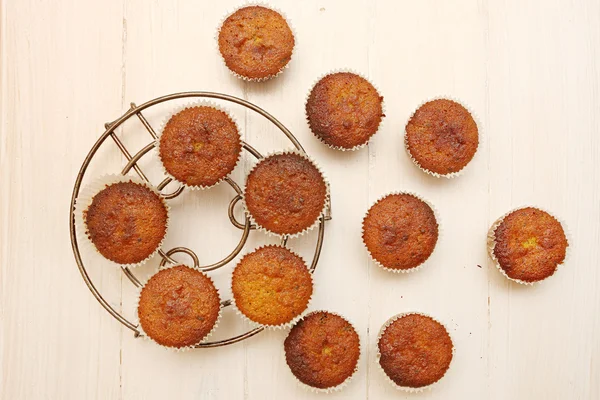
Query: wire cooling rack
{"type": "Point", "coordinates": [132, 163]}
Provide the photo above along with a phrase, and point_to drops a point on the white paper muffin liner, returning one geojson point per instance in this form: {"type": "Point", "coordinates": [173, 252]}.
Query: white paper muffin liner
{"type": "Point", "coordinates": [491, 244]}
{"type": "Point", "coordinates": [318, 219]}
{"type": "Point", "coordinates": [351, 71]}
{"type": "Point", "coordinates": [437, 219]}
{"type": "Point", "coordinates": [285, 325]}
{"type": "Point", "coordinates": [176, 349]}
{"type": "Point", "coordinates": [348, 379]}
{"type": "Point", "coordinates": [378, 356]}
{"type": "Point", "coordinates": [254, 4]}
{"type": "Point", "coordinates": [177, 110]}
{"type": "Point", "coordinates": [480, 136]}
{"type": "Point", "coordinates": [84, 200]}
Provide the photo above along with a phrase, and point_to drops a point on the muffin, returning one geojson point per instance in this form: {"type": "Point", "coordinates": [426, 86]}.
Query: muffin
{"type": "Point", "coordinates": [178, 307]}
{"type": "Point", "coordinates": [322, 350]}
{"type": "Point", "coordinates": [285, 193]}
{"type": "Point", "coordinates": [400, 232]}
{"type": "Point", "coordinates": [442, 137]}
{"type": "Point", "coordinates": [256, 42]}
{"type": "Point", "coordinates": [414, 350]}
{"type": "Point", "coordinates": [271, 286]}
{"type": "Point", "coordinates": [528, 245]}
{"type": "Point", "coordinates": [344, 110]}
{"type": "Point", "coordinates": [126, 222]}
{"type": "Point", "coordinates": [200, 146]}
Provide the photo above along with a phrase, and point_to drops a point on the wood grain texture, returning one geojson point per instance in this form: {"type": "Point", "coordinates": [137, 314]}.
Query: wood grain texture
{"type": "Point", "coordinates": [529, 70]}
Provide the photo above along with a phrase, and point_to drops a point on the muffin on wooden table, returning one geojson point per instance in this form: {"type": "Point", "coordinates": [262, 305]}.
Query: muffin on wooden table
{"type": "Point", "coordinates": [442, 137]}
{"type": "Point", "coordinates": [286, 194]}
{"type": "Point", "coordinates": [527, 245]}
{"type": "Point", "coordinates": [271, 286]}
{"type": "Point", "coordinates": [322, 351]}
{"type": "Point", "coordinates": [400, 232]}
{"type": "Point", "coordinates": [126, 220]}
{"type": "Point", "coordinates": [414, 351]}
{"type": "Point", "coordinates": [200, 146]}
{"type": "Point", "coordinates": [256, 43]}
{"type": "Point", "coordinates": [344, 110]}
{"type": "Point", "coordinates": [178, 307]}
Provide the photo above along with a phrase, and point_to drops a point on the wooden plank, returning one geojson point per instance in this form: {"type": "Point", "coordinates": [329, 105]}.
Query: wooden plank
{"type": "Point", "coordinates": [56, 67]}
{"type": "Point", "coordinates": [318, 27]}
{"type": "Point", "coordinates": [444, 58]}
{"type": "Point", "coordinates": [543, 129]}
{"type": "Point", "coordinates": [171, 48]}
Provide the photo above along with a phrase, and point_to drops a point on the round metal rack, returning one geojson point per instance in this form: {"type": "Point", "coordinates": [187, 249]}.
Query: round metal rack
{"type": "Point", "coordinates": [132, 163]}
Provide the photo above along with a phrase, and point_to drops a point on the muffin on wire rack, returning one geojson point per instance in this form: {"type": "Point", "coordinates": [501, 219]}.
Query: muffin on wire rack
{"type": "Point", "coordinates": [322, 351]}
{"type": "Point", "coordinates": [124, 218]}
{"type": "Point", "coordinates": [256, 42]}
{"type": "Point", "coordinates": [527, 245]}
{"type": "Point", "coordinates": [442, 137]}
{"type": "Point", "coordinates": [414, 351]}
{"type": "Point", "coordinates": [200, 145]}
{"type": "Point", "coordinates": [271, 286]}
{"type": "Point", "coordinates": [286, 194]}
{"type": "Point", "coordinates": [400, 232]}
{"type": "Point", "coordinates": [344, 110]}
{"type": "Point", "coordinates": [178, 307]}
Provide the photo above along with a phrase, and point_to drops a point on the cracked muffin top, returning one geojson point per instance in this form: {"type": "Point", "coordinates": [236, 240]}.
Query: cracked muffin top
{"type": "Point", "coordinates": [322, 350]}
{"type": "Point", "coordinates": [530, 244]}
{"type": "Point", "coordinates": [400, 231]}
{"type": "Point", "coordinates": [200, 146]}
{"type": "Point", "coordinates": [272, 285]}
{"type": "Point", "coordinates": [256, 42]}
{"type": "Point", "coordinates": [344, 110]}
{"type": "Point", "coordinates": [126, 222]}
{"type": "Point", "coordinates": [442, 136]}
{"type": "Point", "coordinates": [178, 307]}
{"type": "Point", "coordinates": [285, 193]}
{"type": "Point", "coordinates": [415, 351]}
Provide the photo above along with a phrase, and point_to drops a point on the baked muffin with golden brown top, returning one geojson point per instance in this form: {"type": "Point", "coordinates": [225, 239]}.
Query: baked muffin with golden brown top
{"type": "Point", "coordinates": [442, 137]}
{"type": "Point", "coordinates": [178, 307]}
{"type": "Point", "coordinates": [414, 350]}
{"type": "Point", "coordinates": [200, 146]}
{"type": "Point", "coordinates": [529, 244]}
{"type": "Point", "coordinates": [400, 231]}
{"type": "Point", "coordinates": [344, 110]}
{"type": "Point", "coordinates": [285, 193]}
{"type": "Point", "coordinates": [126, 222]}
{"type": "Point", "coordinates": [271, 286]}
{"type": "Point", "coordinates": [256, 42]}
{"type": "Point", "coordinates": [322, 350]}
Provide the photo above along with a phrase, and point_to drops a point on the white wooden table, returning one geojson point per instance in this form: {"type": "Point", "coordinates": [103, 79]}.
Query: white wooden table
{"type": "Point", "coordinates": [531, 71]}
